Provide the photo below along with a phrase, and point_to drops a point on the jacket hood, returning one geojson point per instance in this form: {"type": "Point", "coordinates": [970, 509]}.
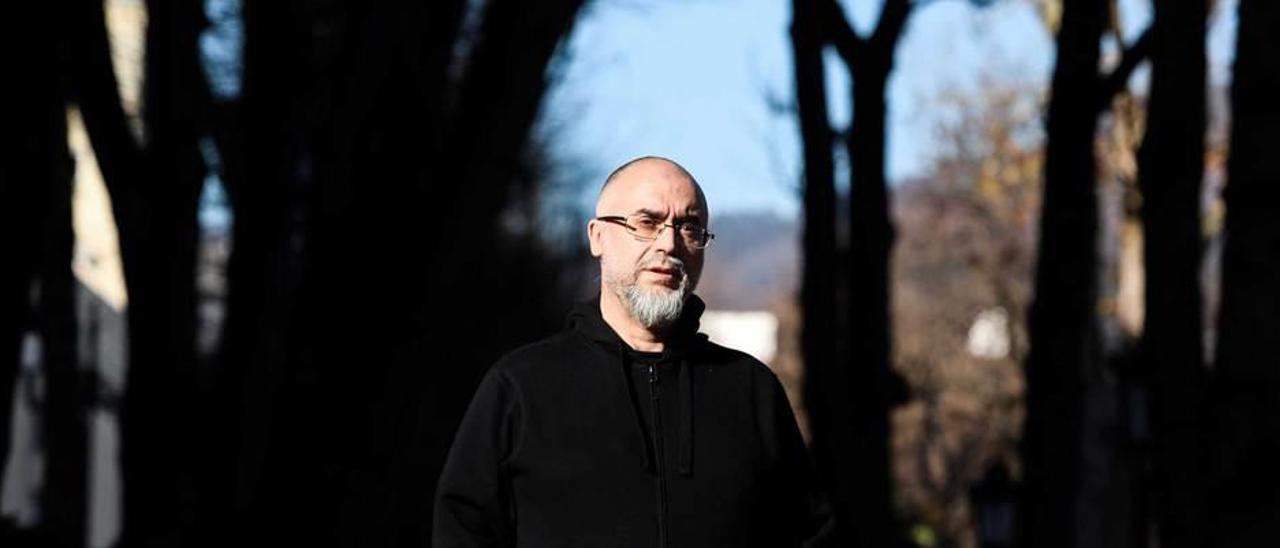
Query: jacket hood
{"type": "Point", "coordinates": [585, 318]}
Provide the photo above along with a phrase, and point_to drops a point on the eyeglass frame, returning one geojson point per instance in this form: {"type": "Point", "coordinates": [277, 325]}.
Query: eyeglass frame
{"type": "Point", "coordinates": [622, 220]}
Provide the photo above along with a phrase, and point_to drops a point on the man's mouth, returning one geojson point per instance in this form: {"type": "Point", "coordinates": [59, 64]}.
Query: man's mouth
{"type": "Point", "coordinates": [668, 272]}
{"type": "Point", "coordinates": [668, 276]}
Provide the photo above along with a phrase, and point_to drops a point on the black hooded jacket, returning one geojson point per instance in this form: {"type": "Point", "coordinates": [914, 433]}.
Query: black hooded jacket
{"type": "Point", "coordinates": [577, 440]}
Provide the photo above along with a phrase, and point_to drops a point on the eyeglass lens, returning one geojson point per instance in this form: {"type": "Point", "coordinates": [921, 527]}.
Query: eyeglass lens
{"type": "Point", "coordinates": [646, 227]}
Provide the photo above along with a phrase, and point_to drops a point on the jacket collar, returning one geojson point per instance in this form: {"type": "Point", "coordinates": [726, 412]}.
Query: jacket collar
{"type": "Point", "coordinates": [586, 319]}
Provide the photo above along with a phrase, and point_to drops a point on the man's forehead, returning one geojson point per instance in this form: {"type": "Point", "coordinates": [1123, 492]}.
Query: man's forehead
{"type": "Point", "coordinates": [651, 182]}
{"type": "Point", "coordinates": [650, 193]}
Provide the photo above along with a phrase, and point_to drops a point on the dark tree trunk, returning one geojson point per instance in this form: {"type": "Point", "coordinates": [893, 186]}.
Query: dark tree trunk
{"type": "Point", "coordinates": [497, 103]}
{"type": "Point", "coordinates": [1246, 500]}
{"type": "Point", "coordinates": [286, 485]}
{"type": "Point", "coordinates": [1171, 168]}
{"type": "Point", "coordinates": [870, 242]}
{"type": "Point", "coordinates": [355, 126]}
{"type": "Point", "coordinates": [32, 154]}
{"type": "Point", "coordinates": [37, 289]}
{"type": "Point", "coordinates": [64, 502]}
{"type": "Point", "coordinates": [1063, 355]}
{"type": "Point", "coordinates": [368, 205]}
{"type": "Point", "coordinates": [158, 244]}
{"type": "Point", "coordinates": [94, 89]}
{"type": "Point", "coordinates": [824, 401]}
{"type": "Point", "coordinates": [262, 271]}
{"type": "Point", "coordinates": [154, 194]}
{"type": "Point", "coordinates": [480, 145]}
{"type": "Point", "coordinates": [852, 400]}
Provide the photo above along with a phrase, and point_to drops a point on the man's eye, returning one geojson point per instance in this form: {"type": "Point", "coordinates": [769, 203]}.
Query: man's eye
{"type": "Point", "coordinates": [644, 222]}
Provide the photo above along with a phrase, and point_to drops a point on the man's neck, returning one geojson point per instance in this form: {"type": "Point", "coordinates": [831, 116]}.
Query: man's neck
{"type": "Point", "coordinates": [632, 332]}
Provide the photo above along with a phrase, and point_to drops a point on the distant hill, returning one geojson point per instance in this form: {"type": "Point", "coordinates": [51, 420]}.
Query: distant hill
{"type": "Point", "coordinates": [753, 262]}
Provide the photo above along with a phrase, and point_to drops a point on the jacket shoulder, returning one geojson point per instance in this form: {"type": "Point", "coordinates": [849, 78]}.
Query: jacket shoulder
{"type": "Point", "coordinates": [540, 353]}
{"type": "Point", "coordinates": [716, 355]}
{"type": "Point", "coordinates": [763, 382]}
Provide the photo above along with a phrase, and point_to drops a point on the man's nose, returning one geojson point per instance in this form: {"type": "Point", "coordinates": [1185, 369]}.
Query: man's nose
{"type": "Point", "coordinates": [666, 240]}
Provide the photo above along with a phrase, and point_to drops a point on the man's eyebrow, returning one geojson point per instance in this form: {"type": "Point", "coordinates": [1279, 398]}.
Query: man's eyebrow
{"type": "Point", "coordinates": [695, 215]}
{"type": "Point", "coordinates": [650, 212]}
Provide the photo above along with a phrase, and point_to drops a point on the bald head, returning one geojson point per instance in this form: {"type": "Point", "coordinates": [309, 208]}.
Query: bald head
{"type": "Point", "coordinates": [643, 175]}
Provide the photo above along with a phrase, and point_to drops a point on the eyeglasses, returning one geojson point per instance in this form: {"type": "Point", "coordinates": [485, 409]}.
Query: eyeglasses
{"type": "Point", "coordinates": [644, 227]}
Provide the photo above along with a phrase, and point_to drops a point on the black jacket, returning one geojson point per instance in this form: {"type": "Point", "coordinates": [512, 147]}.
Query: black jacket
{"type": "Point", "coordinates": [577, 440]}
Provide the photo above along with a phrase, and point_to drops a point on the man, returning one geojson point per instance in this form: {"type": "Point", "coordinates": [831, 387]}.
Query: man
{"type": "Point", "coordinates": [629, 428]}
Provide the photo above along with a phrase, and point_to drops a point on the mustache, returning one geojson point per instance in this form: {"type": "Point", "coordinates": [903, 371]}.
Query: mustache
{"type": "Point", "coordinates": [664, 262]}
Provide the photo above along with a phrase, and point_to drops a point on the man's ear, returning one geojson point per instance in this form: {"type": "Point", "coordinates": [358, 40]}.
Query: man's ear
{"type": "Point", "coordinates": [594, 234]}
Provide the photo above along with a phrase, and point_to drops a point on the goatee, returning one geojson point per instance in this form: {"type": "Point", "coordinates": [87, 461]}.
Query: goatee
{"type": "Point", "coordinates": [658, 307]}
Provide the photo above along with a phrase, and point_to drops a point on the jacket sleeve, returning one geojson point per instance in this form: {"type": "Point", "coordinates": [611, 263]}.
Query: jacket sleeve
{"type": "Point", "coordinates": [802, 509]}
{"type": "Point", "coordinates": [473, 506]}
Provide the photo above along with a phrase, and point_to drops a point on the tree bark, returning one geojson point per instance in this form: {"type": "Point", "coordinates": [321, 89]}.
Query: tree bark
{"type": "Point", "coordinates": [1246, 422]}
{"type": "Point", "coordinates": [37, 288]}
{"type": "Point", "coordinates": [356, 130]}
{"type": "Point", "coordinates": [870, 244]}
{"type": "Point", "coordinates": [1063, 355]}
{"type": "Point", "coordinates": [65, 500]}
{"type": "Point", "coordinates": [856, 396]}
{"type": "Point", "coordinates": [498, 101]}
{"type": "Point", "coordinates": [1170, 172]}
{"type": "Point", "coordinates": [825, 403]}
{"type": "Point", "coordinates": [31, 149]}
{"type": "Point", "coordinates": [157, 237]}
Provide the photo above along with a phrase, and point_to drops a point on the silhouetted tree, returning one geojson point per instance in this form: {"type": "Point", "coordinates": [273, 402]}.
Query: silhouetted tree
{"type": "Point", "coordinates": [848, 402]}
{"type": "Point", "coordinates": [159, 424]}
{"type": "Point", "coordinates": [35, 188]}
{"type": "Point", "coordinates": [1246, 422]}
{"type": "Point", "coordinates": [1170, 172]}
{"type": "Point", "coordinates": [37, 289]}
{"type": "Point", "coordinates": [1061, 324]}
{"type": "Point", "coordinates": [370, 164]}
{"type": "Point", "coordinates": [818, 287]}
{"type": "Point", "coordinates": [154, 187]}
{"type": "Point", "coordinates": [370, 261]}
{"type": "Point", "coordinates": [871, 236]}
{"type": "Point", "coordinates": [1063, 361]}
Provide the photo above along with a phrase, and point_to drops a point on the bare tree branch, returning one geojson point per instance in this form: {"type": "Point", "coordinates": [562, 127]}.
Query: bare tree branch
{"type": "Point", "coordinates": [840, 33]}
{"type": "Point", "coordinates": [851, 46]}
{"type": "Point", "coordinates": [893, 17]}
{"type": "Point", "coordinates": [1134, 55]}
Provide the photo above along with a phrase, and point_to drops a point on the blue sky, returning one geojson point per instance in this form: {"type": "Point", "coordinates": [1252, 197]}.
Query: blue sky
{"type": "Point", "coordinates": [693, 80]}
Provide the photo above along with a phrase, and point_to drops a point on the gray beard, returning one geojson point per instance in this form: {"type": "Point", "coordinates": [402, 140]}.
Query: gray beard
{"type": "Point", "coordinates": [655, 308]}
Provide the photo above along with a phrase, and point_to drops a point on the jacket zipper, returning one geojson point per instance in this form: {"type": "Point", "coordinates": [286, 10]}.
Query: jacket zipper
{"type": "Point", "coordinates": [655, 410]}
